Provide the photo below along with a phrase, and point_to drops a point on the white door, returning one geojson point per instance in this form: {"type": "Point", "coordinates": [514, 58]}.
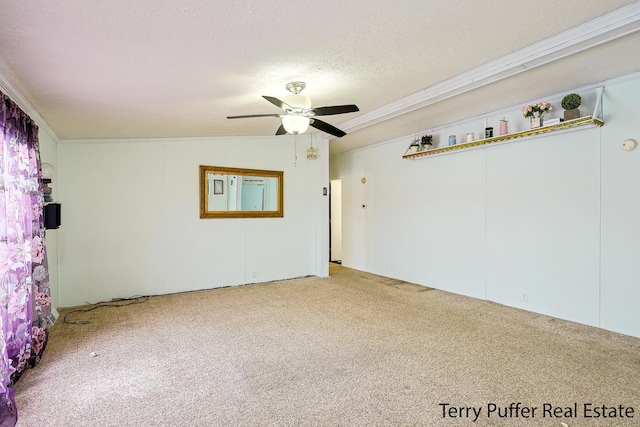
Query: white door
{"type": "Point", "coordinates": [252, 197]}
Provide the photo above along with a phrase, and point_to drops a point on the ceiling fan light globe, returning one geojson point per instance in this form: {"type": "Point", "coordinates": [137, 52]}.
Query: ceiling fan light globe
{"type": "Point", "coordinates": [295, 124]}
{"type": "Point", "coordinates": [48, 171]}
{"type": "Point", "coordinates": [298, 101]}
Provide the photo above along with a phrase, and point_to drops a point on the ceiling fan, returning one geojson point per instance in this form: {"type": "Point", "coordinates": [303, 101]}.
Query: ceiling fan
{"type": "Point", "coordinates": [298, 114]}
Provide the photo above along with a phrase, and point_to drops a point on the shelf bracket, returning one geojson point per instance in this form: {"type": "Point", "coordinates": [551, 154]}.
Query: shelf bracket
{"type": "Point", "coordinates": [597, 111]}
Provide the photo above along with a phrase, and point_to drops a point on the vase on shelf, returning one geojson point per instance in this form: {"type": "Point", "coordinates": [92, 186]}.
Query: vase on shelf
{"type": "Point", "coordinates": [572, 114]}
{"type": "Point", "coordinates": [536, 122]}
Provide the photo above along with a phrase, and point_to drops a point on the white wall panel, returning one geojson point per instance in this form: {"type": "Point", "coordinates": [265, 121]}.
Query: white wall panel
{"type": "Point", "coordinates": [110, 243]}
{"type": "Point", "coordinates": [543, 225]}
{"type": "Point", "coordinates": [451, 222]}
{"type": "Point", "coordinates": [336, 220]}
{"type": "Point", "coordinates": [354, 236]}
{"type": "Point", "coordinates": [620, 293]}
{"type": "Point", "coordinates": [392, 213]}
{"type": "Point", "coordinates": [199, 253]}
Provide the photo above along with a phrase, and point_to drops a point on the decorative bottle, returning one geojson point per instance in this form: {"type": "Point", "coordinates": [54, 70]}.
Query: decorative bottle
{"type": "Point", "coordinates": [504, 126]}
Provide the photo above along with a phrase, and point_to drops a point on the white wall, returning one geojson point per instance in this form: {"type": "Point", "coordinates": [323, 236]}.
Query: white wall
{"type": "Point", "coordinates": [549, 224]}
{"type": "Point", "coordinates": [49, 154]}
{"type": "Point", "coordinates": [131, 222]}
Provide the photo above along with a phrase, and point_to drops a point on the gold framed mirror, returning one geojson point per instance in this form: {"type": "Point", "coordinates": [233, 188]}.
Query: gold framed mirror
{"type": "Point", "coordinates": [241, 193]}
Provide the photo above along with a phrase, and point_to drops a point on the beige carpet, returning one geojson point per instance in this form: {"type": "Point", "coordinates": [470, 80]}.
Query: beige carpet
{"type": "Point", "coordinates": [354, 349]}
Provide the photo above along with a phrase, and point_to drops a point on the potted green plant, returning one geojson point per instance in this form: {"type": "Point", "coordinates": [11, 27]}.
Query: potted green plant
{"type": "Point", "coordinates": [570, 103]}
{"type": "Point", "coordinates": [426, 142]}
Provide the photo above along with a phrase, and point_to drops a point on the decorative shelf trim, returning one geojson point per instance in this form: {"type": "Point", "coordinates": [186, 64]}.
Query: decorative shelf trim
{"type": "Point", "coordinates": [582, 121]}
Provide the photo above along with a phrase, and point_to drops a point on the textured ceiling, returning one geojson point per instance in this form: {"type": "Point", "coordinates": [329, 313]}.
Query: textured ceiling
{"type": "Point", "coordinates": [150, 68]}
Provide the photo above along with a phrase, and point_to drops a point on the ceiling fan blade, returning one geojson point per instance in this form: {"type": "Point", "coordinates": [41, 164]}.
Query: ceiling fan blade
{"type": "Point", "coordinates": [326, 127]}
{"type": "Point", "coordinates": [253, 115]}
{"type": "Point", "coordinates": [281, 130]}
{"type": "Point", "coordinates": [336, 109]}
{"type": "Point", "coordinates": [277, 102]}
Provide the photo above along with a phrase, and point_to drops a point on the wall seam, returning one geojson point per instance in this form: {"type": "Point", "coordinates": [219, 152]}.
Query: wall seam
{"type": "Point", "coordinates": [164, 219]}
{"type": "Point", "coordinates": [600, 231]}
{"type": "Point", "coordinates": [486, 219]}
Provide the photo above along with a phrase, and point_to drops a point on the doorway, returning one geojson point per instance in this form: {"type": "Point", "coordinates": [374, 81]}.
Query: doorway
{"type": "Point", "coordinates": [335, 221]}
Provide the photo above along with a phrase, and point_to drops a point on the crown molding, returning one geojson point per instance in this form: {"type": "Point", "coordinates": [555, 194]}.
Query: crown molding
{"type": "Point", "coordinates": [9, 89]}
{"type": "Point", "coordinates": [184, 139]}
{"type": "Point", "coordinates": [605, 28]}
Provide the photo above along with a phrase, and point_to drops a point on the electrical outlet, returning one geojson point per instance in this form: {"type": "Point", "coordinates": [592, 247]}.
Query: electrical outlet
{"type": "Point", "coordinates": [254, 274]}
{"type": "Point", "coordinates": [525, 297]}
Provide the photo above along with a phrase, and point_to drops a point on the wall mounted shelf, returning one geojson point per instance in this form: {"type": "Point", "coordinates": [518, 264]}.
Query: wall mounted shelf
{"type": "Point", "coordinates": [581, 122]}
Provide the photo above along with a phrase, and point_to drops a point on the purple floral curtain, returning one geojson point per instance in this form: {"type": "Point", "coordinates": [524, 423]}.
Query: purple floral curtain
{"type": "Point", "coordinates": [25, 303]}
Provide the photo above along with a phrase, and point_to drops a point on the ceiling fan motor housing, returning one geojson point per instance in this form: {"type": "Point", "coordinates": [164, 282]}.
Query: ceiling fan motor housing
{"type": "Point", "coordinates": [301, 103]}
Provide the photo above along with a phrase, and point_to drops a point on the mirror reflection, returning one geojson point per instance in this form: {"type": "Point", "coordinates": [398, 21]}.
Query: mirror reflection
{"type": "Point", "coordinates": [240, 193]}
